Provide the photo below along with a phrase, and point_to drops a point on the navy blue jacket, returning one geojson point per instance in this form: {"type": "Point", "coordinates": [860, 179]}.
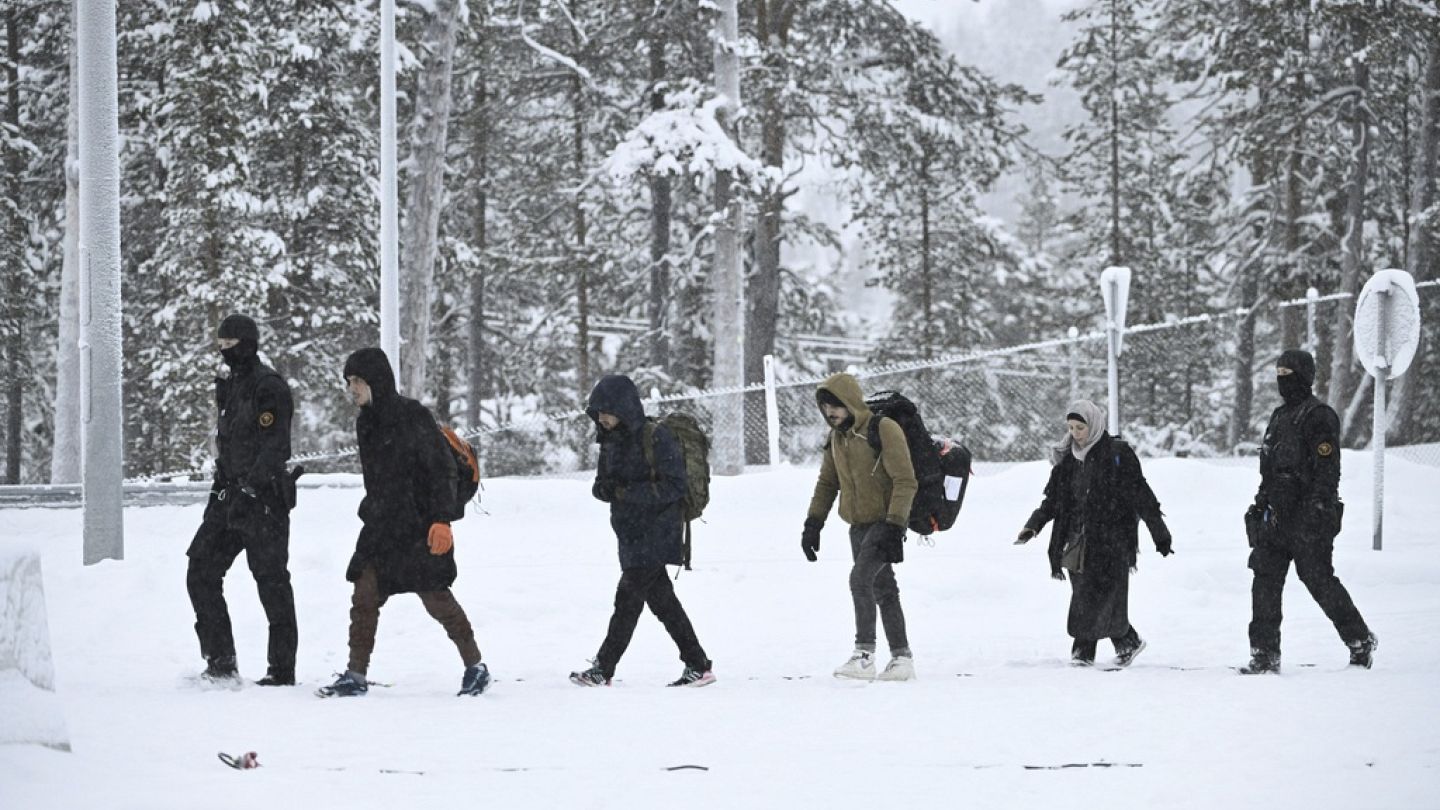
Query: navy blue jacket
{"type": "Point", "coordinates": [644, 504]}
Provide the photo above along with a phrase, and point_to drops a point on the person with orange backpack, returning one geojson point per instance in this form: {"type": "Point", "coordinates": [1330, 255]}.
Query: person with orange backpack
{"type": "Point", "coordinates": [406, 545]}
{"type": "Point", "coordinates": [642, 476]}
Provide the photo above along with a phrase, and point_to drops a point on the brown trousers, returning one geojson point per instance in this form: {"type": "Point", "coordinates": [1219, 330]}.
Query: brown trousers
{"type": "Point", "coordinates": [365, 619]}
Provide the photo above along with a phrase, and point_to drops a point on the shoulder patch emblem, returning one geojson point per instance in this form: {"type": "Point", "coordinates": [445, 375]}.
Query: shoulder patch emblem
{"type": "Point", "coordinates": [267, 419]}
{"type": "Point", "coordinates": [1326, 449]}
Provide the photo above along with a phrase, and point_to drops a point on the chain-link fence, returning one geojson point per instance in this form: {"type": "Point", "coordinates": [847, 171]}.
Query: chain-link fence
{"type": "Point", "coordinates": [1199, 386]}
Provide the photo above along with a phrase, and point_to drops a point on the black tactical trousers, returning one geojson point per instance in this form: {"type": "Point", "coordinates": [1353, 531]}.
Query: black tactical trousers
{"type": "Point", "coordinates": [267, 552]}
{"type": "Point", "coordinates": [648, 586]}
{"type": "Point", "coordinates": [1270, 560]}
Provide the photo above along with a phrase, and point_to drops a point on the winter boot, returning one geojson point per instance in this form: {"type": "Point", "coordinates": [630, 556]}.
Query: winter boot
{"type": "Point", "coordinates": [594, 676]}
{"type": "Point", "coordinates": [475, 680]}
{"type": "Point", "coordinates": [900, 668]}
{"type": "Point", "coordinates": [694, 677]}
{"type": "Point", "coordinates": [860, 667]}
{"type": "Point", "coordinates": [1361, 649]}
{"type": "Point", "coordinates": [278, 677]}
{"type": "Point", "coordinates": [349, 684]}
{"type": "Point", "coordinates": [1132, 647]}
{"type": "Point", "coordinates": [1082, 653]}
{"type": "Point", "coordinates": [1262, 662]}
{"type": "Point", "coordinates": [220, 670]}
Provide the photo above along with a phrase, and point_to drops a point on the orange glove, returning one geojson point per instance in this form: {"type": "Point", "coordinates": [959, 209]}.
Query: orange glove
{"type": "Point", "coordinates": [441, 540]}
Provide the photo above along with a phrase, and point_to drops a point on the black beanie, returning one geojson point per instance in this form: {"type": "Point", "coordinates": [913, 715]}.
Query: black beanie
{"type": "Point", "coordinates": [239, 327]}
{"type": "Point", "coordinates": [1301, 363]}
{"type": "Point", "coordinates": [824, 396]}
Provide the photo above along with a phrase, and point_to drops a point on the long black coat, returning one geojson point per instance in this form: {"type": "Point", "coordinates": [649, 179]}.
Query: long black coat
{"type": "Point", "coordinates": [644, 503]}
{"type": "Point", "coordinates": [409, 484]}
{"type": "Point", "coordinates": [1116, 498]}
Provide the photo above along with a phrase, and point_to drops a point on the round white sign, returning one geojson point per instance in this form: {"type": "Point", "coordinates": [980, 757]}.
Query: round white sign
{"type": "Point", "coordinates": [1387, 323]}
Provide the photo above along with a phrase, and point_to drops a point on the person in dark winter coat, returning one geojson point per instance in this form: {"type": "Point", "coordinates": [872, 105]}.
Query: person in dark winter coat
{"type": "Point", "coordinates": [876, 491]}
{"type": "Point", "coordinates": [405, 545]}
{"type": "Point", "coordinates": [1296, 515]}
{"type": "Point", "coordinates": [249, 508]}
{"type": "Point", "coordinates": [645, 514]}
{"type": "Point", "coordinates": [1096, 496]}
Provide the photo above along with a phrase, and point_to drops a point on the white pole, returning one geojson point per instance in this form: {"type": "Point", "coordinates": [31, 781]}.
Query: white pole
{"type": "Point", "coordinates": [772, 411]}
{"type": "Point", "coordinates": [1113, 376]}
{"type": "Point", "coordinates": [1115, 289]}
{"type": "Point", "coordinates": [100, 339]}
{"type": "Point", "coordinates": [1380, 423]}
{"type": "Point", "coordinates": [1311, 298]}
{"type": "Point", "coordinates": [389, 214]}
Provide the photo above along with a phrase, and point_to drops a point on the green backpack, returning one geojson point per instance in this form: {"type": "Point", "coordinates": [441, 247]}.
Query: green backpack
{"type": "Point", "coordinates": [695, 450]}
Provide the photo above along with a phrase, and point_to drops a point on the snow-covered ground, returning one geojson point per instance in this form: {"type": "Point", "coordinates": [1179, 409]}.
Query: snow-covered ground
{"type": "Point", "coordinates": [537, 576]}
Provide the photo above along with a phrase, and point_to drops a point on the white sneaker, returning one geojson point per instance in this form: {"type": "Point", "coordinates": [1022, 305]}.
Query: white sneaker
{"type": "Point", "coordinates": [900, 668]}
{"type": "Point", "coordinates": [860, 667]}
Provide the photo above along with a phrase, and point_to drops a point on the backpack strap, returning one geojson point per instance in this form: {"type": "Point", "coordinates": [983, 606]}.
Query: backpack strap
{"type": "Point", "coordinates": [685, 547]}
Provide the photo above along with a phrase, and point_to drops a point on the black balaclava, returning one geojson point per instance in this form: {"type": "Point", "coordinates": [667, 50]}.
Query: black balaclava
{"type": "Point", "coordinates": [1296, 386]}
{"type": "Point", "coordinates": [243, 329]}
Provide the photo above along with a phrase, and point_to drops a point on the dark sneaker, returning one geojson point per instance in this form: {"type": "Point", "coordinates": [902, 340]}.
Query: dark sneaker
{"type": "Point", "coordinates": [1262, 663]}
{"type": "Point", "coordinates": [1079, 660]}
{"type": "Point", "coordinates": [278, 677]}
{"type": "Point", "coordinates": [594, 676]}
{"type": "Point", "coordinates": [475, 680]}
{"type": "Point", "coordinates": [694, 677]}
{"type": "Point", "coordinates": [349, 684]}
{"type": "Point", "coordinates": [1082, 653]}
{"type": "Point", "coordinates": [1126, 654]}
{"type": "Point", "coordinates": [1360, 651]}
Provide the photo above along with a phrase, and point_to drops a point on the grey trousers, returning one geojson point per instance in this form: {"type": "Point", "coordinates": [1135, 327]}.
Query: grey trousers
{"type": "Point", "coordinates": [872, 587]}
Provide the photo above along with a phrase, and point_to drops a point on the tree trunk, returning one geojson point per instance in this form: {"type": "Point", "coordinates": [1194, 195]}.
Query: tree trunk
{"type": "Point", "coordinates": [65, 450]}
{"type": "Point", "coordinates": [1249, 295]}
{"type": "Point", "coordinates": [421, 232]}
{"type": "Point", "coordinates": [582, 258]}
{"type": "Point", "coordinates": [1114, 143]}
{"type": "Point", "coordinates": [1290, 323]}
{"type": "Point", "coordinates": [927, 285]}
{"type": "Point", "coordinates": [727, 320]}
{"type": "Point", "coordinates": [479, 387]}
{"type": "Point", "coordinates": [772, 23]}
{"type": "Point", "coordinates": [660, 207]}
{"type": "Point", "coordinates": [1342, 357]}
{"type": "Point", "coordinates": [1406, 397]}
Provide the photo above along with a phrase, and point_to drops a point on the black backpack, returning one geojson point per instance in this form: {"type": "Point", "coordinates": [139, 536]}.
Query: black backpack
{"type": "Point", "coordinates": [695, 450]}
{"type": "Point", "coordinates": [942, 465]}
{"type": "Point", "coordinates": [467, 469]}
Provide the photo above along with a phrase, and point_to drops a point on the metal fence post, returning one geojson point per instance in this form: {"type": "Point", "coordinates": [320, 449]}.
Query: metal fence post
{"type": "Point", "coordinates": [1312, 296]}
{"type": "Point", "coordinates": [772, 411]}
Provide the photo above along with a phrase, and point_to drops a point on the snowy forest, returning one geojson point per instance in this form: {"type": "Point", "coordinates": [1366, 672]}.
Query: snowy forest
{"type": "Point", "coordinates": [560, 168]}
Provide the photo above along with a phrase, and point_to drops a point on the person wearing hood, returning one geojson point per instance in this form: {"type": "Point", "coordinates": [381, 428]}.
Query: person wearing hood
{"type": "Point", "coordinates": [248, 510]}
{"type": "Point", "coordinates": [1296, 516]}
{"type": "Point", "coordinates": [1097, 495]}
{"type": "Point", "coordinates": [641, 475]}
{"type": "Point", "coordinates": [405, 543]}
{"type": "Point", "coordinates": [876, 491]}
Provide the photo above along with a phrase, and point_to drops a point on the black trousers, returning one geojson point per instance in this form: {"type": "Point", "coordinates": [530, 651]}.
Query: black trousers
{"type": "Point", "coordinates": [648, 586]}
{"type": "Point", "coordinates": [1270, 560]}
{"type": "Point", "coordinates": [267, 552]}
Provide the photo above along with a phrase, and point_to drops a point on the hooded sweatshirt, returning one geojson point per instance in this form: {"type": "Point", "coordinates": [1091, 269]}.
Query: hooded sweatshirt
{"type": "Point", "coordinates": [871, 488]}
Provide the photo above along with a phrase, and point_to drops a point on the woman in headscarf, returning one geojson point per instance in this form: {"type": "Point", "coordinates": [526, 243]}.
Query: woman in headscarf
{"type": "Point", "coordinates": [1096, 496]}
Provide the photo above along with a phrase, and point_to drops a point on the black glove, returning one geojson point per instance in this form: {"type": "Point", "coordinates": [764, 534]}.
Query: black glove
{"type": "Point", "coordinates": [891, 542]}
{"type": "Point", "coordinates": [810, 538]}
{"type": "Point", "coordinates": [603, 490]}
{"type": "Point", "coordinates": [1026, 535]}
{"type": "Point", "coordinates": [1254, 523]}
{"type": "Point", "coordinates": [1163, 543]}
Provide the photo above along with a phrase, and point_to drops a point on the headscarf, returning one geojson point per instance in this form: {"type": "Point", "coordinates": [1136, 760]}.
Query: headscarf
{"type": "Point", "coordinates": [1092, 415]}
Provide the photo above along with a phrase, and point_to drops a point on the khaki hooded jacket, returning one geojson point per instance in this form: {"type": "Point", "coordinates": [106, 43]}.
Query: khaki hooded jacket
{"type": "Point", "coordinates": [871, 488]}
